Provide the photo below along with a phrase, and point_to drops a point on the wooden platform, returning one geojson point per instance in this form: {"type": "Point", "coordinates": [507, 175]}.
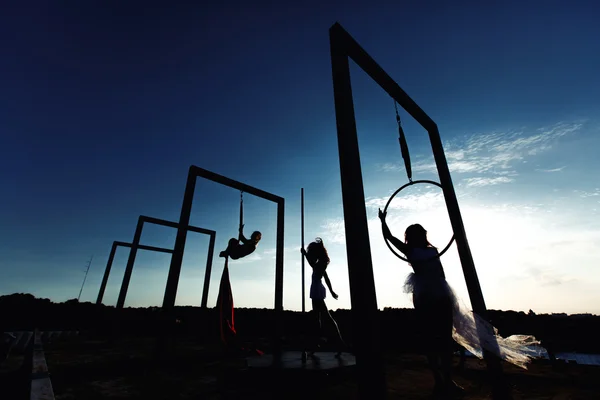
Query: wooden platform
{"type": "Point", "coordinates": [293, 360]}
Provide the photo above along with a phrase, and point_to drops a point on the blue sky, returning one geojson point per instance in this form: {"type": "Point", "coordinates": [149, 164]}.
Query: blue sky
{"type": "Point", "coordinates": [104, 108]}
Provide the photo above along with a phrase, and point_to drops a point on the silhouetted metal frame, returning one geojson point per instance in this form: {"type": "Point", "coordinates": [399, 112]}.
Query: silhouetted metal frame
{"type": "Point", "coordinates": [135, 245]}
{"type": "Point", "coordinates": [360, 267]}
{"type": "Point", "coordinates": [175, 268]}
{"type": "Point", "coordinates": [111, 257]}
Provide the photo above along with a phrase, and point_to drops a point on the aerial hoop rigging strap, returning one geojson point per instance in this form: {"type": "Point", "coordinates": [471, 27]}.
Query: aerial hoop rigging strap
{"type": "Point", "coordinates": [241, 209]}
{"type": "Point", "coordinates": [406, 158]}
{"type": "Point", "coordinates": [385, 210]}
{"type": "Point", "coordinates": [403, 145]}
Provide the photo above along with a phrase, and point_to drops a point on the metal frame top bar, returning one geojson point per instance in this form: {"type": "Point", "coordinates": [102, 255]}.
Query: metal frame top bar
{"type": "Point", "coordinates": [206, 174]}
{"type": "Point", "coordinates": [371, 68]}
{"type": "Point", "coordinates": [144, 247]}
{"type": "Point", "coordinates": [171, 224]}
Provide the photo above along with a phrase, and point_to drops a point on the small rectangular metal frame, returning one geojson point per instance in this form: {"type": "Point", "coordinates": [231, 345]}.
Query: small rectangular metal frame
{"type": "Point", "coordinates": [135, 245]}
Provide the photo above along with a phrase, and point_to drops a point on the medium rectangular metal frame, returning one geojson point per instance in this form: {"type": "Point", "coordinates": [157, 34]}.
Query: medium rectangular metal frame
{"type": "Point", "coordinates": [360, 266]}
{"type": "Point", "coordinates": [184, 220]}
{"type": "Point", "coordinates": [135, 245]}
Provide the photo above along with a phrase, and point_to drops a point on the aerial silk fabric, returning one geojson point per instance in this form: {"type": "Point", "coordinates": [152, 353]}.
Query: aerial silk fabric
{"type": "Point", "coordinates": [226, 310]}
{"type": "Point", "coordinates": [226, 314]}
{"type": "Point", "coordinates": [473, 332]}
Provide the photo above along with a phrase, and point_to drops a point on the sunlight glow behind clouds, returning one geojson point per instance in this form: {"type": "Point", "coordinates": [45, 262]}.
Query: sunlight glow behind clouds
{"type": "Point", "coordinates": [512, 251]}
{"type": "Point", "coordinates": [528, 254]}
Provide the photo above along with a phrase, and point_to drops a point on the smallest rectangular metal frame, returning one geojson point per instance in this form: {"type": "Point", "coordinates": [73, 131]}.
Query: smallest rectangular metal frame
{"type": "Point", "coordinates": [135, 245]}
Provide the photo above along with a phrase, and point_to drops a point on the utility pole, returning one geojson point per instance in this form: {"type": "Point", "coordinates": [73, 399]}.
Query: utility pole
{"type": "Point", "coordinates": [85, 277]}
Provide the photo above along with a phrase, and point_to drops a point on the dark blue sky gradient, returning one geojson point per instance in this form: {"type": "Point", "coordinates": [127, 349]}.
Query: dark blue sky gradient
{"type": "Point", "coordinates": [106, 104]}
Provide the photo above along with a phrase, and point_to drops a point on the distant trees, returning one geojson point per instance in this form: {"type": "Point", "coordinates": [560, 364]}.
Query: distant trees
{"type": "Point", "coordinates": [22, 311]}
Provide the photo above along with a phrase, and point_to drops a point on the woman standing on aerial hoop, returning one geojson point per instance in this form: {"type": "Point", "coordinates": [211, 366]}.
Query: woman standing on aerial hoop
{"type": "Point", "coordinates": [318, 259]}
{"type": "Point", "coordinates": [433, 300]}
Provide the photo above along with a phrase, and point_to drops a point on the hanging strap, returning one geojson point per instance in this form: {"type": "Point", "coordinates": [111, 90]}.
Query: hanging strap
{"type": "Point", "coordinates": [241, 209]}
{"type": "Point", "coordinates": [403, 145]}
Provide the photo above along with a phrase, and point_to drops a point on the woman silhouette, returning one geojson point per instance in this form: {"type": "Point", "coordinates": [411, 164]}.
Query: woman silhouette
{"type": "Point", "coordinates": [433, 300]}
{"type": "Point", "coordinates": [317, 257]}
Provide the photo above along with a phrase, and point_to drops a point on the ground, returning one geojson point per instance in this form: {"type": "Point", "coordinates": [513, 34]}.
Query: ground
{"type": "Point", "coordinates": [94, 369]}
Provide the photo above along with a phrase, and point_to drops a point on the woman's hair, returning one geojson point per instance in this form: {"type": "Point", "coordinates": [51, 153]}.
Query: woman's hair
{"type": "Point", "coordinates": [317, 250]}
{"type": "Point", "coordinates": [255, 234]}
{"type": "Point", "coordinates": [416, 236]}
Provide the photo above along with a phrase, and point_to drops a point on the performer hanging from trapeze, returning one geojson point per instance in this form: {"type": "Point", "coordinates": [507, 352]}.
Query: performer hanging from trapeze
{"type": "Point", "coordinates": [318, 259]}
{"type": "Point", "coordinates": [236, 250]}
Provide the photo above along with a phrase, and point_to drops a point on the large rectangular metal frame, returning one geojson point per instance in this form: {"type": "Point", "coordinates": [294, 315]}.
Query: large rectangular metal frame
{"type": "Point", "coordinates": [184, 220]}
{"type": "Point", "coordinates": [360, 266]}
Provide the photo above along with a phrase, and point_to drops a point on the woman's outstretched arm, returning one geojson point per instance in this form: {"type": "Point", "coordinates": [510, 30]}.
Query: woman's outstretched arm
{"type": "Point", "coordinates": [400, 245]}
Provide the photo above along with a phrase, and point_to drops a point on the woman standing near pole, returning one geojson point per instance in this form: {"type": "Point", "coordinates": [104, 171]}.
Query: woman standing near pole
{"type": "Point", "coordinates": [318, 259]}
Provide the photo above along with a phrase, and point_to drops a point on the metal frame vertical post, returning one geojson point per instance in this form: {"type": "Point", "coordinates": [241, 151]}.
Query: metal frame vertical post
{"type": "Point", "coordinates": [177, 258]}
{"type": "Point", "coordinates": [130, 261]}
{"type": "Point", "coordinates": [279, 280]}
{"type": "Point", "coordinates": [111, 258]}
{"type": "Point", "coordinates": [211, 248]}
{"type": "Point", "coordinates": [360, 266]}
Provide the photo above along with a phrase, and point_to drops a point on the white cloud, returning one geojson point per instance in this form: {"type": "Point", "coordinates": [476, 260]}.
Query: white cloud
{"type": "Point", "coordinates": [587, 193]}
{"type": "Point", "coordinates": [423, 201]}
{"type": "Point", "coordinates": [551, 169]}
{"type": "Point", "coordinates": [493, 153]}
{"type": "Point", "coordinates": [334, 231]}
{"type": "Point", "coordinates": [481, 181]}
{"type": "Point", "coordinates": [549, 277]}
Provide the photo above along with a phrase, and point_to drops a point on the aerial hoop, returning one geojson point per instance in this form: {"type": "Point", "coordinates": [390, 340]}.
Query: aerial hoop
{"type": "Point", "coordinates": [385, 210]}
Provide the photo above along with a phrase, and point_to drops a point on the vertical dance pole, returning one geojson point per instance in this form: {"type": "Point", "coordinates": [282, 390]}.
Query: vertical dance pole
{"type": "Point", "coordinates": [302, 263]}
{"type": "Point", "coordinates": [302, 235]}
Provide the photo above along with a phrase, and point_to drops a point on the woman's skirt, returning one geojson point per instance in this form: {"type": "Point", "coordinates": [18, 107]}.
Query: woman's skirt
{"type": "Point", "coordinates": [470, 330]}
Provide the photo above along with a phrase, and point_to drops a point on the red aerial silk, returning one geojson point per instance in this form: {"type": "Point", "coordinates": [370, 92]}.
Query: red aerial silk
{"type": "Point", "coordinates": [225, 305]}
{"type": "Point", "coordinates": [226, 314]}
